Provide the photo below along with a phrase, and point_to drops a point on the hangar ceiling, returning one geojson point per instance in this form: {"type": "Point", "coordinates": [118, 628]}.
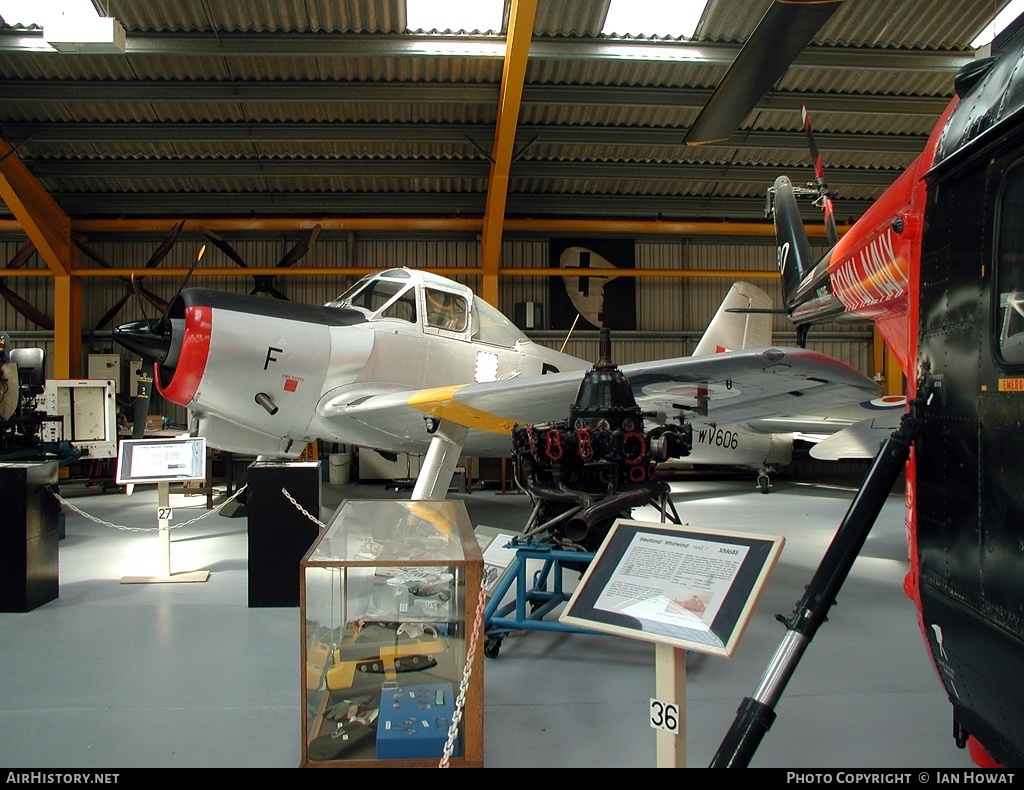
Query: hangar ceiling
{"type": "Point", "coordinates": [321, 108]}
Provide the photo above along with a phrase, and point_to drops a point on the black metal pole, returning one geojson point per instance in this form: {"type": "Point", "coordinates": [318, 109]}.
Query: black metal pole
{"type": "Point", "coordinates": [755, 715]}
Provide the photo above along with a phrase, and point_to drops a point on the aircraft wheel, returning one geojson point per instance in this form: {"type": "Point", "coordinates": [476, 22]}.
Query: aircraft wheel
{"type": "Point", "coordinates": [762, 483]}
{"type": "Point", "coordinates": [492, 645]}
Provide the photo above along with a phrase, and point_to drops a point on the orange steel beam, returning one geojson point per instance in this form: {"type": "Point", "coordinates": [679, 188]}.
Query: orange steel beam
{"type": "Point", "coordinates": [886, 366]}
{"type": "Point", "coordinates": [40, 217]}
{"type": "Point", "coordinates": [49, 229]}
{"type": "Point", "coordinates": [517, 51]}
{"type": "Point", "coordinates": [345, 271]}
{"type": "Point", "coordinates": [677, 273]}
{"type": "Point", "coordinates": [67, 327]}
{"type": "Point", "coordinates": [443, 225]}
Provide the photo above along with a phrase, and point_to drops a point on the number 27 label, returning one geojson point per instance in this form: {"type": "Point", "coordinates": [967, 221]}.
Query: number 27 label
{"type": "Point", "coordinates": [164, 513]}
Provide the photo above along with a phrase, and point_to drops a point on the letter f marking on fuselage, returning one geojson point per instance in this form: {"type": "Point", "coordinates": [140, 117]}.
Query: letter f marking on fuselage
{"type": "Point", "coordinates": [269, 359]}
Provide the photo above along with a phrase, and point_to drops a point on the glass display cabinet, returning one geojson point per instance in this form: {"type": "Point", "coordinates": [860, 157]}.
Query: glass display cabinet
{"type": "Point", "coordinates": [392, 643]}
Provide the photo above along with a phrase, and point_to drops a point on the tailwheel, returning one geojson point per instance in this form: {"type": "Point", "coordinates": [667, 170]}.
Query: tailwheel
{"type": "Point", "coordinates": [763, 483]}
{"type": "Point", "coordinates": [492, 646]}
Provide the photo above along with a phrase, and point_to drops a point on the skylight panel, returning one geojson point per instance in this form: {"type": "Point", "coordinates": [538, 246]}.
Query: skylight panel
{"type": "Point", "coordinates": [670, 18]}
{"type": "Point", "coordinates": [482, 16]}
{"type": "Point", "coordinates": [999, 23]}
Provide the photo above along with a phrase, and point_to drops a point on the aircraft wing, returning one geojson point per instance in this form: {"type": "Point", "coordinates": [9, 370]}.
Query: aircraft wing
{"type": "Point", "coordinates": [743, 386]}
{"type": "Point", "coordinates": [730, 387]}
{"type": "Point", "coordinates": [860, 440]}
{"type": "Point", "coordinates": [844, 430]}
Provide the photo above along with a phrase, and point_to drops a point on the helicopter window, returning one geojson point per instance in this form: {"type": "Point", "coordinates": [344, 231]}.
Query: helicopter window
{"type": "Point", "coordinates": [491, 326]}
{"type": "Point", "coordinates": [1010, 270]}
{"type": "Point", "coordinates": [446, 310]}
{"type": "Point", "coordinates": [1011, 331]}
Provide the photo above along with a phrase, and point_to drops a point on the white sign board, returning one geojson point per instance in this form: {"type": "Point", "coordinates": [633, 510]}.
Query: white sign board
{"type": "Point", "coordinates": [171, 460]}
{"type": "Point", "coordinates": [688, 587]}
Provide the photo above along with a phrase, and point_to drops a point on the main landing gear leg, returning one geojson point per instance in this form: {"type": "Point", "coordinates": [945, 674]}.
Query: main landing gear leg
{"type": "Point", "coordinates": [440, 461]}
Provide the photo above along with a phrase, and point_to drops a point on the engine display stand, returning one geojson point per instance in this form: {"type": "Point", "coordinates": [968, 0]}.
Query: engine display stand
{"type": "Point", "coordinates": [542, 598]}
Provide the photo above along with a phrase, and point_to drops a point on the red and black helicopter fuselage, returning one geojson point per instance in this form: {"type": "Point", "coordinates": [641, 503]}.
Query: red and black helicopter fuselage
{"type": "Point", "coordinates": [938, 264]}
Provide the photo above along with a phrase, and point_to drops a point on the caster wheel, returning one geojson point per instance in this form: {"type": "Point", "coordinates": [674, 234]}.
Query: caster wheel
{"type": "Point", "coordinates": [492, 645]}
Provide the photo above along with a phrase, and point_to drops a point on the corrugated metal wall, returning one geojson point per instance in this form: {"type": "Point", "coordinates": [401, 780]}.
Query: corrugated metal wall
{"type": "Point", "coordinates": [672, 312]}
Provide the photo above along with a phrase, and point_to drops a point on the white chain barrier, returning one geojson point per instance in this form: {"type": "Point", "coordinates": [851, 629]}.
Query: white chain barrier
{"type": "Point", "coordinates": [100, 521]}
{"type": "Point", "coordinates": [460, 701]}
{"type": "Point", "coordinates": [303, 510]}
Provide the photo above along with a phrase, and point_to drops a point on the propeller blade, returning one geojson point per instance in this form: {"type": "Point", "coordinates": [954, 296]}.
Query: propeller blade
{"type": "Point", "coordinates": [264, 284]}
{"type": "Point", "coordinates": [109, 315]}
{"type": "Point", "coordinates": [224, 247]}
{"type": "Point", "coordinates": [270, 289]}
{"type": "Point", "coordinates": [192, 268]}
{"type": "Point", "coordinates": [136, 291]}
{"type": "Point", "coordinates": [162, 324]}
{"type": "Point", "coordinates": [165, 245]}
{"type": "Point", "coordinates": [22, 256]}
{"type": "Point", "coordinates": [297, 252]}
{"type": "Point", "coordinates": [22, 306]}
{"type": "Point", "coordinates": [142, 400]}
{"type": "Point", "coordinates": [152, 298]}
{"type": "Point", "coordinates": [91, 253]}
{"type": "Point", "coordinates": [784, 30]}
{"type": "Point", "coordinates": [819, 180]}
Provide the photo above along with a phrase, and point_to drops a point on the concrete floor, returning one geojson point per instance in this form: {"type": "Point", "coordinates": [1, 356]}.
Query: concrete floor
{"type": "Point", "coordinates": [113, 675]}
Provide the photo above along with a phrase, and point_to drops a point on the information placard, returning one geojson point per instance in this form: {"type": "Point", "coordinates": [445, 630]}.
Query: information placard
{"type": "Point", "coordinates": [172, 460]}
{"type": "Point", "coordinates": [688, 587]}
{"type": "Point", "coordinates": [497, 553]}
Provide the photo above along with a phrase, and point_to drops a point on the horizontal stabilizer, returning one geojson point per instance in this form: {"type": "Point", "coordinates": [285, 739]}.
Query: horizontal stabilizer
{"type": "Point", "coordinates": [860, 440]}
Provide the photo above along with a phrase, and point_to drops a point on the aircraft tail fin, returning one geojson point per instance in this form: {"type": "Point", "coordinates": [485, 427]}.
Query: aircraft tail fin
{"type": "Point", "coordinates": [743, 320]}
{"type": "Point", "coordinates": [793, 248]}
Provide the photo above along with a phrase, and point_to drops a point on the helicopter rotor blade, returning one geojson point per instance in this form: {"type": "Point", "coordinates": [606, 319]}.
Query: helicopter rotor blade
{"type": "Point", "coordinates": [784, 30]}
{"type": "Point", "coordinates": [824, 198]}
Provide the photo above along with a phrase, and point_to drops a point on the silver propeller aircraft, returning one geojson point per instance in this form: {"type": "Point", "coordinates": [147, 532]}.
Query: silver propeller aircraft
{"type": "Point", "coordinates": [408, 361]}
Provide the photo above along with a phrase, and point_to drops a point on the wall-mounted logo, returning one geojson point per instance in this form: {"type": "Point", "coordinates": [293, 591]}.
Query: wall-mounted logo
{"type": "Point", "coordinates": [586, 290]}
{"type": "Point", "coordinates": [593, 287]}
